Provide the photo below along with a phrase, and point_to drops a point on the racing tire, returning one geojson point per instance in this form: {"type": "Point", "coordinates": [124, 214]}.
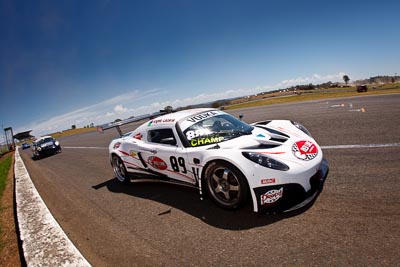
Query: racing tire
{"type": "Point", "coordinates": [226, 185]}
{"type": "Point", "coordinates": [119, 169]}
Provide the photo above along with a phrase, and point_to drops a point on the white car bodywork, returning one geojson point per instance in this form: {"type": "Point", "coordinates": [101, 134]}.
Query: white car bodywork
{"type": "Point", "coordinates": [291, 176]}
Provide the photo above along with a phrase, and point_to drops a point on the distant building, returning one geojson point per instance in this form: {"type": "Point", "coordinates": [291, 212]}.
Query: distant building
{"type": "Point", "coordinates": [24, 136]}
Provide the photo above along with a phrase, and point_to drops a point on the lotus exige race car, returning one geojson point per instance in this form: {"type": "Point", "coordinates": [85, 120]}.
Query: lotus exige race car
{"type": "Point", "coordinates": [276, 163]}
{"type": "Point", "coordinates": [45, 146]}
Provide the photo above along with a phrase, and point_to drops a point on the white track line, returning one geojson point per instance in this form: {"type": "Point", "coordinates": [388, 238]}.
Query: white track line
{"type": "Point", "coordinates": [85, 147]}
{"type": "Point", "coordinates": [361, 146]}
{"type": "Point", "coordinates": [44, 243]}
{"type": "Point", "coordinates": [323, 147]}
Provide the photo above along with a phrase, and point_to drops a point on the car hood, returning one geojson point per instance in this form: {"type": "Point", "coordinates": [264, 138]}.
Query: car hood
{"type": "Point", "coordinates": [280, 140]}
{"type": "Point", "coordinates": [269, 135]}
{"type": "Point", "coordinates": [46, 144]}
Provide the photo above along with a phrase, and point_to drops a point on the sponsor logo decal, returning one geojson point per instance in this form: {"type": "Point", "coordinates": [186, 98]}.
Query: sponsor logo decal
{"type": "Point", "coordinates": [197, 133]}
{"type": "Point", "coordinates": [206, 141]}
{"type": "Point", "coordinates": [305, 150]}
{"type": "Point", "coordinates": [271, 196]}
{"type": "Point", "coordinates": [268, 181]}
{"type": "Point", "coordinates": [261, 135]}
{"type": "Point", "coordinates": [197, 118]}
{"type": "Point", "coordinates": [202, 116]}
{"type": "Point", "coordinates": [138, 136]}
{"type": "Point", "coordinates": [159, 121]}
{"type": "Point", "coordinates": [157, 163]}
{"type": "Point", "coordinates": [133, 153]}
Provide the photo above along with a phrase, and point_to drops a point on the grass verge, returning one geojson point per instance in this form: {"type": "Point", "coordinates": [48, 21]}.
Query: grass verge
{"type": "Point", "coordinates": [9, 247]}
{"type": "Point", "coordinates": [72, 132]}
{"type": "Point", "coordinates": [5, 165]}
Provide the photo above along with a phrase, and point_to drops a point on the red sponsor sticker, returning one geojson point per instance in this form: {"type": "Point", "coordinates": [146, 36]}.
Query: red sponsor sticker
{"type": "Point", "coordinates": [271, 196]}
{"type": "Point", "coordinates": [268, 181]}
{"type": "Point", "coordinates": [157, 163]}
{"type": "Point", "coordinates": [305, 150]}
{"type": "Point", "coordinates": [138, 136]}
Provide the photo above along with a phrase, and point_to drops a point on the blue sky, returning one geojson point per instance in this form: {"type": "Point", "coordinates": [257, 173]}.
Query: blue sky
{"type": "Point", "coordinates": [82, 62]}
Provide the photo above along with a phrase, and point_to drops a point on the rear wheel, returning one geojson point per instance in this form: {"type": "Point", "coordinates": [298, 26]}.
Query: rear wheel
{"type": "Point", "coordinates": [119, 169]}
{"type": "Point", "coordinates": [226, 185]}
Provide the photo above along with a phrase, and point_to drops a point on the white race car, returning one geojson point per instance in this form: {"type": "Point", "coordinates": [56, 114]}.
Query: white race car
{"type": "Point", "coordinates": [276, 163]}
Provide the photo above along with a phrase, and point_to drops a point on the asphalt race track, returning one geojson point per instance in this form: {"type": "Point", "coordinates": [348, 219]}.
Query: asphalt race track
{"type": "Point", "coordinates": [355, 220]}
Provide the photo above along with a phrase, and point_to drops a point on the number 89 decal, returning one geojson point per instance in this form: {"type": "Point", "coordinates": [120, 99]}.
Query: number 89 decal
{"type": "Point", "coordinates": [197, 133]}
{"type": "Point", "coordinates": [178, 165]}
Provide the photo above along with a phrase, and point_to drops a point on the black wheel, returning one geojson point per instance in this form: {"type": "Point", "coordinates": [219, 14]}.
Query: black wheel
{"type": "Point", "coordinates": [226, 185]}
{"type": "Point", "coordinates": [119, 169]}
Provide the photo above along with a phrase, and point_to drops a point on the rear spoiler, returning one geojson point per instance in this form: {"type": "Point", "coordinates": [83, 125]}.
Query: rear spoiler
{"type": "Point", "coordinates": [117, 124]}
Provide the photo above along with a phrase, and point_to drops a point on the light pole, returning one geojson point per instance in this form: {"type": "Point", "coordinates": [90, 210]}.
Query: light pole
{"type": "Point", "coordinates": [12, 146]}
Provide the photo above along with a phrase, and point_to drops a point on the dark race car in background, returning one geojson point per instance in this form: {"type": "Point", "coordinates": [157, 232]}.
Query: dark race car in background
{"type": "Point", "coordinates": [25, 146]}
{"type": "Point", "coordinates": [45, 146]}
{"type": "Point", "coordinates": [362, 88]}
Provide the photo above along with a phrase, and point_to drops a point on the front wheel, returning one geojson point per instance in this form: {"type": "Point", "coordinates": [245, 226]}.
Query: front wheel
{"type": "Point", "coordinates": [119, 169]}
{"type": "Point", "coordinates": [226, 185]}
{"type": "Point", "coordinates": [35, 156]}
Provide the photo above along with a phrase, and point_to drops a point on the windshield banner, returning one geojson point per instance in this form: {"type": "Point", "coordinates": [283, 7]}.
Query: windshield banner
{"type": "Point", "coordinates": [199, 117]}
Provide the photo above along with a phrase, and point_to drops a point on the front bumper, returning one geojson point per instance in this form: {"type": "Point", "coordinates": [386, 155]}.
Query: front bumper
{"type": "Point", "coordinates": [289, 197]}
{"type": "Point", "coordinates": [49, 150]}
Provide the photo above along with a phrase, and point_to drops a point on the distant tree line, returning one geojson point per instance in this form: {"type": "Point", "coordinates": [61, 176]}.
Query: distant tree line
{"type": "Point", "coordinates": [379, 80]}
{"type": "Point", "coordinates": [85, 126]}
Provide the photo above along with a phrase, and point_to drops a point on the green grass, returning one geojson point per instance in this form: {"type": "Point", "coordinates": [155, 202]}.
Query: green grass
{"type": "Point", "coordinates": [5, 165]}
{"type": "Point", "coordinates": [3, 150]}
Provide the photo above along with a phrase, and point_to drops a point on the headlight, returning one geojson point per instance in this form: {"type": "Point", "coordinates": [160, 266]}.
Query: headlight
{"type": "Point", "coordinates": [265, 161]}
{"type": "Point", "coordinates": [301, 127]}
{"type": "Point", "coordinates": [56, 143]}
{"type": "Point", "coordinates": [39, 148]}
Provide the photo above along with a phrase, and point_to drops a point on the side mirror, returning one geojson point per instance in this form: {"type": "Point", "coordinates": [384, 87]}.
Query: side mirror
{"type": "Point", "coordinates": [241, 116]}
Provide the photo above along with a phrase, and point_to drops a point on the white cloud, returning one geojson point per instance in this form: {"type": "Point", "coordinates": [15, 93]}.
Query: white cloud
{"type": "Point", "coordinates": [315, 79]}
{"type": "Point", "coordinates": [143, 102]}
{"type": "Point", "coordinates": [120, 109]}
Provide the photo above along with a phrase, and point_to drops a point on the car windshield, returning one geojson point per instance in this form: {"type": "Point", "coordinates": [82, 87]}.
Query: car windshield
{"type": "Point", "coordinates": [213, 127]}
{"type": "Point", "coordinates": [45, 140]}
